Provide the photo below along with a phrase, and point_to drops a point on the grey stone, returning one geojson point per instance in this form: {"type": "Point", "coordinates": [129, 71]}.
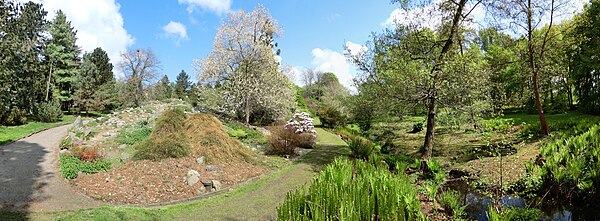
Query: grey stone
{"type": "Point", "coordinates": [211, 168]}
{"type": "Point", "coordinates": [192, 177]}
{"type": "Point", "coordinates": [76, 141]}
{"type": "Point", "coordinates": [201, 190]}
{"type": "Point", "coordinates": [216, 185]}
{"type": "Point", "coordinates": [200, 160]}
{"type": "Point", "coordinates": [78, 123]}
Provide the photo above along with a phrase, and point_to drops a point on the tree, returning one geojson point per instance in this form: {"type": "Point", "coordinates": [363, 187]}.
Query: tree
{"type": "Point", "coordinates": [524, 16]}
{"type": "Point", "coordinates": [586, 63]}
{"type": "Point", "coordinates": [419, 63]}
{"type": "Point", "coordinates": [166, 87]}
{"type": "Point", "coordinates": [182, 85]}
{"type": "Point", "coordinates": [140, 67]}
{"type": "Point", "coordinates": [105, 69]}
{"type": "Point", "coordinates": [63, 55]}
{"type": "Point", "coordinates": [243, 62]}
{"type": "Point", "coordinates": [86, 85]}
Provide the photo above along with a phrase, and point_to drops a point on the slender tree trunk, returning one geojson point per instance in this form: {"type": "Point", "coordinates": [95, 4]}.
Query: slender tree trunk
{"type": "Point", "coordinates": [247, 112]}
{"type": "Point", "coordinates": [536, 92]}
{"type": "Point", "coordinates": [429, 134]}
{"type": "Point", "coordinates": [48, 83]}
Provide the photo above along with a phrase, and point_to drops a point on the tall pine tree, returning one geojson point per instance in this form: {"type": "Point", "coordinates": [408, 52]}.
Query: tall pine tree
{"type": "Point", "coordinates": [182, 85]}
{"type": "Point", "coordinates": [63, 55]}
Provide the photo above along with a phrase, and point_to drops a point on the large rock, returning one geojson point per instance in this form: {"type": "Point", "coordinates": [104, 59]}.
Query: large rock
{"type": "Point", "coordinates": [216, 185]}
{"type": "Point", "coordinates": [192, 177]}
{"type": "Point", "coordinates": [78, 124]}
{"type": "Point", "coordinates": [200, 160]}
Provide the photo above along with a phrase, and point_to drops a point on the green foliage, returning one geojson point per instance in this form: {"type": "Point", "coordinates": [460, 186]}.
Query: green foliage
{"type": "Point", "coordinates": [167, 140]}
{"type": "Point", "coordinates": [182, 85]}
{"type": "Point", "coordinates": [48, 112]}
{"type": "Point", "coordinates": [417, 127]}
{"type": "Point", "coordinates": [585, 64]}
{"type": "Point", "coordinates": [252, 137]}
{"type": "Point", "coordinates": [331, 117]}
{"type": "Point", "coordinates": [300, 103]}
{"type": "Point", "coordinates": [70, 166]}
{"type": "Point", "coordinates": [564, 127]}
{"type": "Point", "coordinates": [15, 117]}
{"type": "Point", "coordinates": [571, 164]}
{"type": "Point", "coordinates": [452, 202]}
{"type": "Point", "coordinates": [496, 124]}
{"type": "Point", "coordinates": [131, 136]}
{"type": "Point", "coordinates": [238, 134]}
{"type": "Point", "coordinates": [353, 190]}
{"type": "Point", "coordinates": [514, 214]}
{"type": "Point", "coordinates": [361, 148]}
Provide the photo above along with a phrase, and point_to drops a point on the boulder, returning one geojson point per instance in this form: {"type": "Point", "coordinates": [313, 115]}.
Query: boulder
{"type": "Point", "coordinates": [216, 185]}
{"type": "Point", "coordinates": [192, 177]}
{"type": "Point", "coordinates": [78, 123]}
{"type": "Point", "coordinates": [200, 160]}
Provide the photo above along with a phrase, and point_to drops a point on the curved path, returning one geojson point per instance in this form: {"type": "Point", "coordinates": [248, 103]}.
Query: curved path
{"type": "Point", "coordinates": [30, 179]}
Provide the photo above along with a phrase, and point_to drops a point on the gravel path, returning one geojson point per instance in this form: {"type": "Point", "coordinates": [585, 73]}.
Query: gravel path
{"type": "Point", "coordinates": [30, 179]}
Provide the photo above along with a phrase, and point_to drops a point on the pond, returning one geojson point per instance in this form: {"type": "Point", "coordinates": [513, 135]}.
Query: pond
{"type": "Point", "coordinates": [478, 204]}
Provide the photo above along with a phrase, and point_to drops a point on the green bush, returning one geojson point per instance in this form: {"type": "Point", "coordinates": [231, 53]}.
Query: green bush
{"type": "Point", "coordinates": [496, 124]}
{"type": "Point", "coordinates": [48, 111]}
{"type": "Point", "coordinates": [238, 134]}
{"type": "Point", "coordinates": [253, 137]}
{"type": "Point", "coordinates": [331, 117]}
{"type": "Point", "coordinates": [70, 166]}
{"type": "Point", "coordinates": [167, 140]}
{"type": "Point", "coordinates": [15, 117]}
{"type": "Point", "coordinates": [417, 127]}
{"type": "Point", "coordinates": [514, 214]}
{"type": "Point", "coordinates": [361, 148]}
{"type": "Point", "coordinates": [347, 190]}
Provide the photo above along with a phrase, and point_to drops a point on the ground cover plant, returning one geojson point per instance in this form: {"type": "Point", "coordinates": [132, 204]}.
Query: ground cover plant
{"type": "Point", "coordinates": [353, 190]}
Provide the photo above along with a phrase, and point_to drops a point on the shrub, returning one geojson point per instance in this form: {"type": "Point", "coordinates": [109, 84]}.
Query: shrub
{"type": "Point", "coordinates": [70, 166]}
{"type": "Point", "coordinates": [15, 117]}
{"type": "Point", "coordinates": [332, 117]}
{"type": "Point", "coordinates": [302, 125]}
{"type": "Point", "coordinates": [253, 137]}
{"type": "Point", "coordinates": [239, 134]}
{"type": "Point", "coordinates": [417, 127]}
{"type": "Point", "coordinates": [361, 148]}
{"type": "Point", "coordinates": [89, 154]}
{"type": "Point", "coordinates": [48, 111]}
{"type": "Point", "coordinates": [283, 141]}
{"type": "Point", "coordinates": [167, 140]}
{"type": "Point", "coordinates": [496, 124]}
{"type": "Point", "coordinates": [347, 190]}
{"type": "Point", "coordinates": [451, 201]}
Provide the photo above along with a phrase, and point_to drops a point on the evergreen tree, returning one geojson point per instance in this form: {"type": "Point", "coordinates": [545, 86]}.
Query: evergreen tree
{"type": "Point", "coordinates": [62, 54]}
{"type": "Point", "coordinates": [165, 86]}
{"type": "Point", "coordinates": [86, 87]}
{"type": "Point", "coordinates": [182, 85]}
{"type": "Point", "coordinates": [105, 69]}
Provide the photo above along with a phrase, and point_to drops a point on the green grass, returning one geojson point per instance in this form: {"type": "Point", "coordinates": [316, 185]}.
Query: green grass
{"type": "Point", "coordinates": [13, 133]}
{"type": "Point", "coordinates": [520, 118]}
{"type": "Point", "coordinates": [325, 138]}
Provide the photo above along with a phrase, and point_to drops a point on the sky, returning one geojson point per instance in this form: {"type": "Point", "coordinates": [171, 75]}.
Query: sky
{"type": "Point", "coordinates": [315, 32]}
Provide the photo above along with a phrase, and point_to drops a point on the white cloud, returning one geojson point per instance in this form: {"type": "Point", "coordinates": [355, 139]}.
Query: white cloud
{"type": "Point", "coordinates": [355, 49]}
{"type": "Point", "coordinates": [98, 23]}
{"type": "Point", "coordinates": [218, 6]}
{"type": "Point", "coordinates": [326, 60]}
{"type": "Point", "coordinates": [175, 30]}
{"type": "Point", "coordinates": [426, 16]}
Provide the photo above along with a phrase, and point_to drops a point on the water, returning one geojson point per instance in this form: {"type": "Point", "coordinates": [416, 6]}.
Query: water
{"type": "Point", "coordinates": [478, 204]}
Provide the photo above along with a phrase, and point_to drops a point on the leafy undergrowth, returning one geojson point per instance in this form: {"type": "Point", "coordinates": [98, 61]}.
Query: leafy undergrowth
{"type": "Point", "coordinates": [353, 190]}
{"type": "Point", "coordinates": [70, 166]}
{"type": "Point", "coordinates": [12, 133]}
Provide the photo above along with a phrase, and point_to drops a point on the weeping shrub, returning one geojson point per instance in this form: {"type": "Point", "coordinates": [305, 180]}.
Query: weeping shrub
{"type": "Point", "coordinates": [353, 190]}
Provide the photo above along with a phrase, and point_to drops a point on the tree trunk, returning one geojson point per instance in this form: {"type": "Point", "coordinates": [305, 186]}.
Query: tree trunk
{"type": "Point", "coordinates": [48, 83]}
{"type": "Point", "coordinates": [428, 146]}
{"type": "Point", "coordinates": [247, 112]}
{"type": "Point", "coordinates": [536, 92]}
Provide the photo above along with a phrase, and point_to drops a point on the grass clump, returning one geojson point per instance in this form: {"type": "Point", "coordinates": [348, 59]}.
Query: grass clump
{"type": "Point", "coordinates": [70, 166]}
{"type": "Point", "coordinates": [167, 140]}
{"type": "Point", "coordinates": [514, 214]}
{"type": "Point", "coordinates": [353, 190]}
{"type": "Point", "coordinates": [451, 202]}
{"type": "Point", "coordinates": [252, 137]}
{"type": "Point", "coordinates": [131, 137]}
{"type": "Point", "coordinates": [239, 134]}
{"type": "Point", "coordinates": [361, 148]}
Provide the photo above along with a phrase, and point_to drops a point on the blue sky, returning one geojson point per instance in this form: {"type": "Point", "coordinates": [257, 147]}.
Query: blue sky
{"type": "Point", "coordinates": [180, 31]}
{"type": "Point", "coordinates": [307, 25]}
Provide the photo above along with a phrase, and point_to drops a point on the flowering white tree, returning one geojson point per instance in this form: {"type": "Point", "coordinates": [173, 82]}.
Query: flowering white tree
{"type": "Point", "coordinates": [243, 62]}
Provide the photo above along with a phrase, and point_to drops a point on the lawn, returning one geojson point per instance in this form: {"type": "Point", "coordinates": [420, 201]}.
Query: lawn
{"type": "Point", "coordinates": [12, 133]}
